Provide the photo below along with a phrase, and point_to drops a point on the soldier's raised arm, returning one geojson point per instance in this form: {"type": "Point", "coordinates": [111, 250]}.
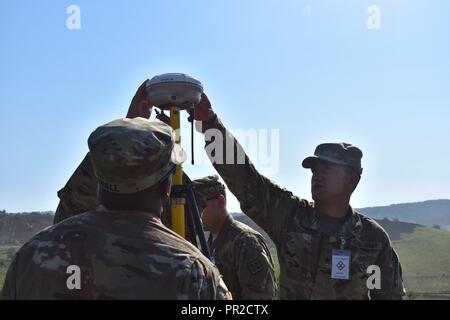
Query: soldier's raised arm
{"type": "Point", "coordinates": [264, 201]}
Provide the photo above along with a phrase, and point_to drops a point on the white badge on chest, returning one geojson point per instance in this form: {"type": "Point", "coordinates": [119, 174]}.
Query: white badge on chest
{"type": "Point", "coordinates": [340, 264]}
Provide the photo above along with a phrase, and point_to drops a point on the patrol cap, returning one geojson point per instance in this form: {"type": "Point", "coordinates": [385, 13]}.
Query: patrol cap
{"type": "Point", "coordinates": [208, 187]}
{"type": "Point", "coordinates": [342, 153]}
{"type": "Point", "coordinates": [130, 155]}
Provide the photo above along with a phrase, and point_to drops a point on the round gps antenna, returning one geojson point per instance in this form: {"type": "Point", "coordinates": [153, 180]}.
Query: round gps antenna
{"type": "Point", "coordinates": [174, 90]}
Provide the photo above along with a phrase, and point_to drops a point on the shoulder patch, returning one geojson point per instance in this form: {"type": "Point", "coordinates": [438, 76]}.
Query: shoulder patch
{"type": "Point", "coordinates": [254, 266]}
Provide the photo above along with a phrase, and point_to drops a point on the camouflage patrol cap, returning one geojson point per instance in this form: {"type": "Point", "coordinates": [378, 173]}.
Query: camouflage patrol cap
{"type": "Point", "coordinates": [344, 154]}
{"type": "Point", "coordinates": [130, 155]}
{"type": "Point", "coordinates": [208, 187]}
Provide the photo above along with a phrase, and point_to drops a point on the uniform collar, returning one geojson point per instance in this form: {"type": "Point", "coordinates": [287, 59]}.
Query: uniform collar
{"type": "Point", "coordinates": [223, 232]}
{"type": "Point", "coordinates": [130, 215]}
{"type": "Point", "coordinates": [352, 227]}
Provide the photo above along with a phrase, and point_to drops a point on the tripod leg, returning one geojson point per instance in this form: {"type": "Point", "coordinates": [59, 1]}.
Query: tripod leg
{"type": "Point", "coordinates": [190, 232]}
{"type": "Point", "coordinates": [198, 224]}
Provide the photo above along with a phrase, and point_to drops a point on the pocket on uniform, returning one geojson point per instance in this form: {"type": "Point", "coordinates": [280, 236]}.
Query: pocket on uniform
{"type": "Point", "coordinates": [297, 255]}
{"type": "Point", "coordinates": [366, 253]}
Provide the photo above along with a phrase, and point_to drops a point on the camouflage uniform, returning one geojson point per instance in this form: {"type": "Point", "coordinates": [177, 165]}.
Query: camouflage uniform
{"type": "Point", "coordinates": [304, 250]}
{"type": "Point", "coordinates": [122, 254]}
{"type": "Point", "coordinates": [240, 253]}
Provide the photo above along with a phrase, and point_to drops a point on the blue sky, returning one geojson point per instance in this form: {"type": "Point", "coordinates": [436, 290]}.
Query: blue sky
{"type": "Point", "coordinates": [311, 69]}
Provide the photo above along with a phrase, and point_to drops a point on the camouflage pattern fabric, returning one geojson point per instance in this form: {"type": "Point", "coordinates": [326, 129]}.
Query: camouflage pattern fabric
{"type": "Point", "coordinates": [131, 155]}
{"type": "Point", "coordinates": [80, 192]}
{"type": "Point", "coordinates": [121, 255]}
{"type": "Point", "coordinates": [304, 251]}
{"type": "Point", "coordinates": [344, 154]}
{"type": "Point", "coordinates": [244, 260]}
{"type": "Point", "coordinates": [208, 187]}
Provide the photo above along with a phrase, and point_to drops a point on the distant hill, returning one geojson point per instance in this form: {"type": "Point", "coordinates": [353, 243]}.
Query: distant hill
{"type": "Point", "coordinates": [17, 228]}
{"type": "Point", "coordinates": [396, 229]}
{"type": "Point", "coordinates": [429, 213]}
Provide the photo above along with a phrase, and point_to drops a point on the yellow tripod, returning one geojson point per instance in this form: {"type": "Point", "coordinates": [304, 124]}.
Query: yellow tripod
{"type": "Point", "coordinates": [177, 204]}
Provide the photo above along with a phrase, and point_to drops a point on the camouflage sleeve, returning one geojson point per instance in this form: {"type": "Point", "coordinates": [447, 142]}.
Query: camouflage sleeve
{"type": "Point", "coordinates": [203, 282]}
{"type": "Point", "coordinates": [255, 270]}
{"type": "Point", "coordinates": [391, 275]}
{"type": "Point", "coordinates": [9, 287]}
{"type": "Point", "coordinates": [80, 192]}
{"type": "Point", "coordinates": [261, 199]}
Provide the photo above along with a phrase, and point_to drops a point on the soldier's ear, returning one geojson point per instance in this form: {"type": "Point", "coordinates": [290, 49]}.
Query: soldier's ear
{"type": "Point", "coordinates": [354, 180]}
{"type": "Point", "coordinates": [166, 186]}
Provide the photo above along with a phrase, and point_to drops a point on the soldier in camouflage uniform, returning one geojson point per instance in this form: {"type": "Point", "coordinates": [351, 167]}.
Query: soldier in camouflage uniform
{"type": "Point", "coordinates": [122, 249]}
{"type": "Point", "coordinates": [240, 253]}
{"type": "Point", "coordinates": [311, 237]}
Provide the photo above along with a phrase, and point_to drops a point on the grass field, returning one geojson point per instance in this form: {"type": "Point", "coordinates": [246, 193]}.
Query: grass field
{"type": "Point", "coordinates": [425, 258]}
